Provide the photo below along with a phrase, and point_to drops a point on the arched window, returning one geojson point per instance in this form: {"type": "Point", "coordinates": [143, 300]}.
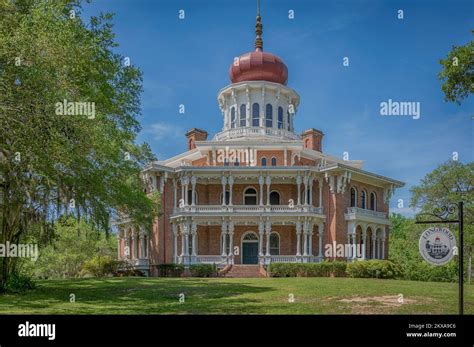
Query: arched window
{"type": "Point", "coordinates": [190, 196]}
{"type": "Point", "coordinates": [274, 161]}
{"type": "Point", "coordinates": [264, 161]}
{"type": "Point", "coordinates": [274, 198]}
{"type": "Point", "coordinates": [243, 115]}
{"type": "Point", "coordinates": [353, 197]}
{"type": "Point", "coordinates": [280, 117]}
{"type": "Point", "coordinates": [250, 196]}
{"type": "Point", "coordinates": [232, 117]}
{"type": "Point", "coordinates": [274, 243]}
{"type": "Point", "coordinates": [227, 197]}
{"type": "Point", "coordinates": [373, 201]}
{"type": "Point", "coordinates": [250, 236]}
{"type": "Point", "coordinates": [289, 120]}
{"type": "Point", "coordinates": [269, 116]}
{"type": "Point", "coordinates": [363, 197]}
{"type": "Point", "coordinates": [255, 115]}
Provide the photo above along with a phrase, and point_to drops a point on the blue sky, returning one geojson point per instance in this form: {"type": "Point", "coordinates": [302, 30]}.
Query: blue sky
{"type": "Point", "coordinates": [186, 61]}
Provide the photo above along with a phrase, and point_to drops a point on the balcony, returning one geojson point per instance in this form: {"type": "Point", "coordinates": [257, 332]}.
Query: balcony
{"type": "Point", "coordinates": [255, 132]}
{"type": "Point", "coordinates": [247, 209]}
{"type": "Point", "coordinates": [364, 215]}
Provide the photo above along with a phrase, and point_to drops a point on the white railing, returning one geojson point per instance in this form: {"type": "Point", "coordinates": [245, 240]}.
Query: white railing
{"type": "Point", "coordinates": [285, 259]}
{"type": "Point", "coordinates": [248, 209]}
{"type": "Point", "coordinates": [364, 212]}
{"type": "Point", "coordinates": [210, 259]}
{"type": "Point", "coordinates": [255, 131]}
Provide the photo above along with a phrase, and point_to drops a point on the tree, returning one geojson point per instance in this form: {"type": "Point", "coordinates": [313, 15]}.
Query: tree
{"type": "Point", "coordinates": [56, 160]}
{"type": "Point", "coordinates": [457, 74]}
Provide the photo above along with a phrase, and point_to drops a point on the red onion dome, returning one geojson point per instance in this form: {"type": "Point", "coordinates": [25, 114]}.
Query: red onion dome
{"type": "Point", "coordinates": [258, 66]}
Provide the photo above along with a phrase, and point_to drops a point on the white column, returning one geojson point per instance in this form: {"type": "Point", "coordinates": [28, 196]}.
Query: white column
{"type": "Point", "coordinates": [223, 236]}
{"type": "Point", "coordinates": [182, 191]}
{"type": "Point", "coordinates": [320, 183]}
{"type": "Point", "coordinates": [374, 239]}
{"type": "Point", "coordinates": [186, 186]}
{"type": "Point", "coordinates": [224, 183]}
{"type": "Point", "coordinates": [364, 241]}
{"type": "Point", "coordinates": [310, 237]}
{"type": "Point", "coordinates": [320, 235]}
{"type": "Point", "coordinates": [175, 242]}
{"type": "Point", "coordinates": [260, 238]}
{"type": "Point", "coordinates": [298, 185]}
{"type": "Point", "coordinates": [260, 182]}
{"type": "Point", "coordinates": [311, 191]}
{"type": "Point", "coordinates": [383, 248]}
{"type": "Point", "coordinates": [186, 242]}
{"type": "Point", "coordinates": [193, 187]}
{"type": "Point", "coordinates": [142, 246]}
{"type": "Point", "coordinates": [305, 193]}
{"type": "Point", "coordinates": [231, 242]}
{"type": "Point", "coordinates": [134, 246]}
{"type": "Point", "coordinates": [175, 193]}
{"type": "Point", "coordinates": [126, 250]}
{"type": "Point", "coordinates": [194, 239]}
{"type": "Point", "coordinates": [231, 182]}
{"type": "Point", "coordinates": [305, 238]}
{"type": "Point", "coordinates": [268, 227]}
{"type": "Point", "coordinates": [298, 239]}
{"type": "Point", "coordinates": [268, 182]}
{"type": "Point", "coordinates": [183, 243]}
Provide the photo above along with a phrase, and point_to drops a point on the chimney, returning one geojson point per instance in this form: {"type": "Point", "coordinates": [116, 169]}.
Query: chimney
{"type": "Point", "coordinates": [194, 135]}
{"type": "Point", "coordinates": [312, 139]}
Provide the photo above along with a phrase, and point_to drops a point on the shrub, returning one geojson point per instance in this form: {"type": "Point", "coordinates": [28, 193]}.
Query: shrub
{"type": "Point", "coordinates": [372, 269]}
{"type": "Point", "coordinates": [337, 268]}
{"type": "Point", "coordinates": [18, 283]}
{"type": "Point", "coordinates": [170, 270]}
{"type": "Point", "coordinates": [322, 269]}
{"type": "Point", "coordinates": [100, 266]}
{"type": "Point", "coordinates": [203, 270]}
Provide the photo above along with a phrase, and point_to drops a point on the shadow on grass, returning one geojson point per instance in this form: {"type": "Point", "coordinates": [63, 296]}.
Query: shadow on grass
{"type": "Point", "coordinates": [137, 296]}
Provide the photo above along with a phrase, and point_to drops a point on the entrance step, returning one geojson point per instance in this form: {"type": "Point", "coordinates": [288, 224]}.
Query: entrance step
{"type": "Point", "coordinates": [244, 271]}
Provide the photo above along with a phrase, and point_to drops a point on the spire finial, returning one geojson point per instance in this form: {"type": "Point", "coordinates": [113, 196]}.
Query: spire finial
{"type": "Point", "coordinates": [258, 30]}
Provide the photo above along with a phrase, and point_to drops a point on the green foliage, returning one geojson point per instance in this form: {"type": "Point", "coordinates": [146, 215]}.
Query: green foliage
{"type": "Point", "coordinates": [170, 270]}
{"type": "Point", "coordinates": [322, 269]}
{"type": "Point", "coordinates": [372, 269]}
{"type": "Point", "coordinates": [404, 253]}
{"type": "Point", "coordinates": [203, 270]}
{"type": "Point", "coordinates": [100, 266]}
{"type": "Point", "coordinates": [457, 74]}
{"type": "Point", "coordinates": [74, 243]}
{"type": "Point", "coordinates": [48, 159]}
{"type": "Point", "coordinates": [19, 283]}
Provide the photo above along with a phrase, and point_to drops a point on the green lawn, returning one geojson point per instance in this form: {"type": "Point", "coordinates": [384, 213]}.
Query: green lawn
{"type": "Point", "coordinates": [237, 296]}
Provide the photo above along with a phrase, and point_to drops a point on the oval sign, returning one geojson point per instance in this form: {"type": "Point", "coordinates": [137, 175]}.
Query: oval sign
{"type": "Point", "coordinates": [437, 245]}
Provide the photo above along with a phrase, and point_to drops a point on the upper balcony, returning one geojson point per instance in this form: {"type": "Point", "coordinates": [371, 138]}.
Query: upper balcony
{"type": "Point", "coordinates": [364, 215]}
{"type": "Point", "coordinates": [256, 210]}
{"type": "Point", "coordinates": [255, 132]}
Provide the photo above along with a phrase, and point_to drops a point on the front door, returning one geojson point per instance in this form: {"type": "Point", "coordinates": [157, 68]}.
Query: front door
{"type": "Point", "coordinates": [250, 253]}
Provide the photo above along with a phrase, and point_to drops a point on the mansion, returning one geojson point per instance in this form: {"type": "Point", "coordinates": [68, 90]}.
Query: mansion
{"type": "Point", "coordinates": [257, 192]}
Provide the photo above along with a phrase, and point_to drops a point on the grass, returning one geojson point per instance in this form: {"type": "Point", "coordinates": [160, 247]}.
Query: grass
{"type": "Point", "coordinates": [136, 295]}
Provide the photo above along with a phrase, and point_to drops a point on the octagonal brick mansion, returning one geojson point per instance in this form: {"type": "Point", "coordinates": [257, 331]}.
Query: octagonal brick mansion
{"type": "Point", "coordinates": [257, 192]}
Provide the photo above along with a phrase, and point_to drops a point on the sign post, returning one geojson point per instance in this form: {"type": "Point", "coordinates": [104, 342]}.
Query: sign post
{"type": "Point", "coordinates": [445, 215]}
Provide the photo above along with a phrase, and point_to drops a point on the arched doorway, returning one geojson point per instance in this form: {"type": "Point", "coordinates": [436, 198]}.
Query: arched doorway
{"type": "Point", "coordinates": [250, 248]}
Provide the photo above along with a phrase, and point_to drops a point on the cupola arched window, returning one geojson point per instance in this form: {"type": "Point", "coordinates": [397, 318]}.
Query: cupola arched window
{"type": "Point", "coordinates": [353, 197]}
{"type": "Point", "coordinates": [243, 115]}
{"type": "Point", "coordinates": [264, 161]}
{"type": "Point", "coordinates": [274, 198]}
{"type": "Point", "coordinates": [280, 117]}
{"type": "Point", "coordinates": [250, 196]}
{"type": "Point", "coordinates": [289, 120]}
{"type": "Point", "coordinates": [274, 161]}
{"type": "Point", "coordinates": [255, 115]}
{"type": "Point", "coordinates": [373, 201]}
{"type": "Point", "coordinates": [232, 117]}
{"type": "Point", "coordinates": [269, 116]}
{"type": "Point", "coordinates": [363, 197]}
